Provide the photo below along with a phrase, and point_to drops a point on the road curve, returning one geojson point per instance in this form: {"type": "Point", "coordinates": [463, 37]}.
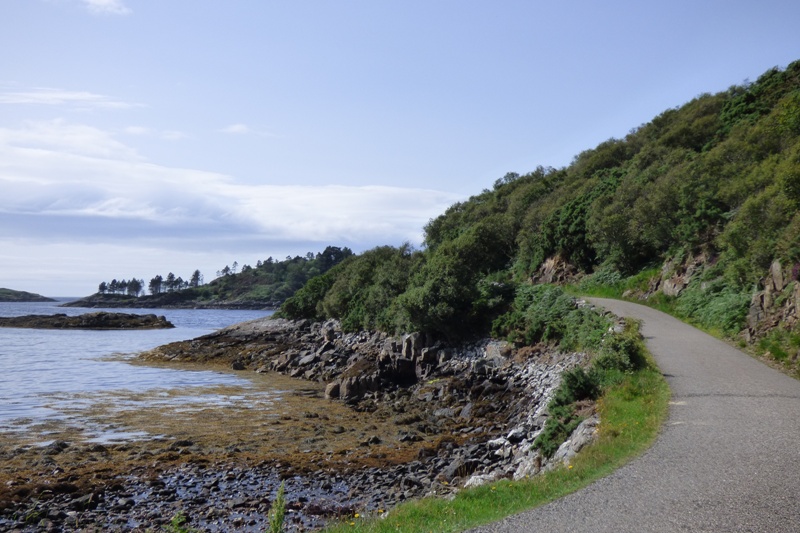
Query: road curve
{"type": "Point", "coordinates": [727, 459]}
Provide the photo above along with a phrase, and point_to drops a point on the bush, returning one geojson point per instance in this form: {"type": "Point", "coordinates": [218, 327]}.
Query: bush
{"type": "Point", "coordinates": [621, 353]}
{"type": "Point", "coordinates": [545, 313]}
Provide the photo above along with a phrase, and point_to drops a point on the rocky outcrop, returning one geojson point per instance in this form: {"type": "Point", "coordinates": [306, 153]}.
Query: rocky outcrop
{"type": "Point", "coordinates": [100, 320]}
{"type": "Point", "coordinates": [775, 303]}
{"type": "Point", "coordinates": [556, 270]}
{"type": "Point", "coordinates": [486, 401]}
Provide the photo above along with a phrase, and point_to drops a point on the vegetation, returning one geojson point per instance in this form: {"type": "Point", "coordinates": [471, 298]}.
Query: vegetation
{"type": "Point", "coordinates": [718, 176]}
{"type": "Point", "coordinates": [278, 512]}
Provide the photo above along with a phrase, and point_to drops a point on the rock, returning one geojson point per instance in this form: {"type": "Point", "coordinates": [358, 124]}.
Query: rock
{"type": "Point", "coordinates": [332, 390]}
{"type": "Point", "coordinates": [585, 433]}
{"type": "Point", "coordinates": [776, 274]}
{"type": "Point", "coordinates": [460, 468]}
{"type": "Point", "coordinates": [412, 345]}
{"type": "Point", "coordinates": [480, 479]}
{"type": "Point", "coordinates": [98, 320]}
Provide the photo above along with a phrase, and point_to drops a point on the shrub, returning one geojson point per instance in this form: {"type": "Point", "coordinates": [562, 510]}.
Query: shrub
{"type": "Point", "coordinates": [621, 353]}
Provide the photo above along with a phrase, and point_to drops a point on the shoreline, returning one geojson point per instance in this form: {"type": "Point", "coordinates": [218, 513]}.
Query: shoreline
{"type": "Point", "coordinates": [442, 418]}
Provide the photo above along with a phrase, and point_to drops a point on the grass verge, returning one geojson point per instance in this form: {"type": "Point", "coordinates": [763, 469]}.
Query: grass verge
{"type": "Point", "coordinates": [631, 413]}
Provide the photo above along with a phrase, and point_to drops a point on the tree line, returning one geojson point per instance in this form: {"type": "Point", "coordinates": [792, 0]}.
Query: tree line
{"type": "Point", "coordinates": [158, 285]}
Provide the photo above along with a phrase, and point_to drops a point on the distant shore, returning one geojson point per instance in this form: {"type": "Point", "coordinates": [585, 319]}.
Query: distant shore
{"type": "Point", "coordinates": [172, 300]}
{"type": "Point", "coordinates": [10, 295]}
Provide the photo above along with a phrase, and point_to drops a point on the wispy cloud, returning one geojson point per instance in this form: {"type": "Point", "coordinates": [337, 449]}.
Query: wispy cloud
{"type": "Point", "coordinates": [237, 129]}
{"type": "Point", "coordinates": [167, 135]}
{"type": "Point", "coordinates": [59, 138]}
{"type": "Point", "coordinates": [54, 97]}
{"type": "Point", "coordinates": [245, 129]}
{"type": "Point", "coordinates": [107, 7]}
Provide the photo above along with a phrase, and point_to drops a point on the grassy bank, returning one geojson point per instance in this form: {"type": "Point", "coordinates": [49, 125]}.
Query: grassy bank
{"type": "Point", "coordinates": [631, 411]}
{"type": "Point", "coordinates": [710, 305]}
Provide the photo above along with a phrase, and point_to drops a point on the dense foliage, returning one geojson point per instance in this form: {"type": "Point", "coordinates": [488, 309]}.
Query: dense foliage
{"type": "Point", "coordinates": [720, 174]}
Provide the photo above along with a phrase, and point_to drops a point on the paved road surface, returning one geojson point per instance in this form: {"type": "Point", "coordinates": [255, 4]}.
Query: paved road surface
{"type": "Point", "coordinates": [727, 460]}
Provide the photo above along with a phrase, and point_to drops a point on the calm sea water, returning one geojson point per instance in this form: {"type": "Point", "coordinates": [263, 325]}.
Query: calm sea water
{"type": "Point", "coordinates": [44, 373]}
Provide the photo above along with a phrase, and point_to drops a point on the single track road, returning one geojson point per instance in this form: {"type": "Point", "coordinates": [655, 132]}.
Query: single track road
{"type": "Point", "coordinates": [727, 460]}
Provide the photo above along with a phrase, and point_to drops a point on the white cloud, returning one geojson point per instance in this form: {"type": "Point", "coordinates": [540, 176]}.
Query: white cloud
{"type": "Point", "coordinates": [238, 129]}
{"type": "Point", "coordinates": [72, 183]}
{"type": "Point", "coordinates": [50, 96]}
{"type": "Point", "coordinates": [172, 135]}
{"type": "Point", "coordinates": [107, 7]}
{"type": "Point", "coordinates": [138, 130]}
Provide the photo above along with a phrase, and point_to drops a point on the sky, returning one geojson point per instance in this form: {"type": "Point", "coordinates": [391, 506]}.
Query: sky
{"type": "Point", "coordinates": [142, 137]}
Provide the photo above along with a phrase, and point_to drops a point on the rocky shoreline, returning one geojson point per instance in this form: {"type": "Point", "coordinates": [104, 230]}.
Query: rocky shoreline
{"type": "Point", "coordinates": [99, 320]}
{"type": "Point", "coordinates": [462, 416]}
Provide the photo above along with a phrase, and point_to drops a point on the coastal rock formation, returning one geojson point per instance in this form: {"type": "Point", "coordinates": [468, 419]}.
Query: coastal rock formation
{"type": "Point", "coordinates": [100, 320]}
{"type": "Point", "coordinates": [486, 402]}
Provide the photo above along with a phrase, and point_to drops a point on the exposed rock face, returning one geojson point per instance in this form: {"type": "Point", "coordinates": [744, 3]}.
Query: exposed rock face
{"type": "Point", "coordinates": [556, 270]}
{"type": "Point", "coordinates": [776, 304]}
{"type": "Point", "coordinates": [101, 320]}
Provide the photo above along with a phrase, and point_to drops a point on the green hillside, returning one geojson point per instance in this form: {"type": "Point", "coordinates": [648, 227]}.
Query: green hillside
{"type": "Point", "coordinates": [697, 209]}
{"type": "Point", "coordinates": [9, 295]}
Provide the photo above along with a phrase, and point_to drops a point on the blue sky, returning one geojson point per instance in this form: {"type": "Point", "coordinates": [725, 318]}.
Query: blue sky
{"type": "Point", "coordinates": [142, 137]}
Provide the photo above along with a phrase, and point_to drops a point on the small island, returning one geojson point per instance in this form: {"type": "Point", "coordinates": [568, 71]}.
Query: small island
{"type": "Point", "coordinates": [9, 295]}
{"type": "Point", "coordinates": [100, 320]}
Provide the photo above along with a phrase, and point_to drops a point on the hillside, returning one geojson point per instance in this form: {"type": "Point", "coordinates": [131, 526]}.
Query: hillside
{"type": "Point", "coordinates": [9, 295]}
{"type": "Point", "coordinates": [264, 286]}
{"type": "Point", "coordinates": [696, 210]}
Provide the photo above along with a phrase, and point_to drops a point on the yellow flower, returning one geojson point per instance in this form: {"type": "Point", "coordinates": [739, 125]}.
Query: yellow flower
{"type": "Point", "coordinates": [357, 515]}
{"type": "Point", "coordinates": [570, 467]}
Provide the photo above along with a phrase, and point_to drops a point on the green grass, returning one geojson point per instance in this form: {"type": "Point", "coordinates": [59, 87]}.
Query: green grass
{"type": "Point", "coordinates": [631, 414]}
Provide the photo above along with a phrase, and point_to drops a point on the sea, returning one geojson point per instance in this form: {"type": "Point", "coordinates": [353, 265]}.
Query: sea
{"type": "Point", "coordinates": [47, 377]}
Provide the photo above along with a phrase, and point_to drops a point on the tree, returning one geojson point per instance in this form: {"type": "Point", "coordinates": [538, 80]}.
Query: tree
{"type": "Point", "coordinates": [135, 287]}
{"type": "Point", "coordinates": [102, 288]}
{"type": "Point", "coordinates": [196, 279]}
{"type": "Point", "coordinates": [170, 282]}
{"type": "Point", "coordinates": [155, 285]}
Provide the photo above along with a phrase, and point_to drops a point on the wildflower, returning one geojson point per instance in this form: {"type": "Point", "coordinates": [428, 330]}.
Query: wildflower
{"type": "Point", "coordinates": [357, 515]}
